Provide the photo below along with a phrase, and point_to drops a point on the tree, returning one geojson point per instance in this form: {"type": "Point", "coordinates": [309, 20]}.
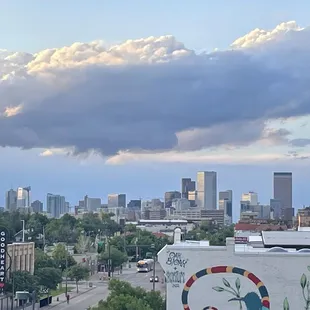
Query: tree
{"type": "Point", "coordinates": [24, 281]}
{"type": "Point", "coordinates": [78, 273]}
{"type": "Point", "coordinates": [125, 297]}
{"type": "Point", "coordinates": [42, 260]}
{"type": "Point", "coordinates": [49, 278]}
{"type": "Point", "coordinates": [83, 244]}
{"type": "Point", "coordinates": [117, 257]}
{"type": "Point", "coordinates": [62, 257]}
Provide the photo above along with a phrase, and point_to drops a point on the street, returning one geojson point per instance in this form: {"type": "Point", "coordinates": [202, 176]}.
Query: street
{"type": "Point", "coordinates": [143, 279]}
{"type": "Point", "coordinates": [88, 299]}
{"type": "Point", "coordinates": [92, 297]}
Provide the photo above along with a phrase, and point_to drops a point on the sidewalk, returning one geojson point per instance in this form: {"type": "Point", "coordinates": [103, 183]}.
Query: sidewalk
{"type": "Point", "coordinates": [62, 298]}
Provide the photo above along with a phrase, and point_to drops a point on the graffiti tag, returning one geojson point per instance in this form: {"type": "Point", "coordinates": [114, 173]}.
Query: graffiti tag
{"type": "Point", "coordinates": [175, 278]}
{"type": "Point", "coordinates": [176, 259]}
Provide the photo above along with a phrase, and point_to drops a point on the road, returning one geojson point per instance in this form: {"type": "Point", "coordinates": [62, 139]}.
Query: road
{"type": "Point", "coordinates": [143, 279]}
{"type": "Point", "coordinates": [131, 275]}
{"type": "Point", "coordinates": [88, 299]}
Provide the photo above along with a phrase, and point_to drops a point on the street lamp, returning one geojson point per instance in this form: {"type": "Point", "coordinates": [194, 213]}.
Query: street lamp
{"type": "Point", "coordinates": [67, 253]}
{"type": "Point", "coordinates": [154, 269]}
{"type": "Point", "coordinates": [109, 258]}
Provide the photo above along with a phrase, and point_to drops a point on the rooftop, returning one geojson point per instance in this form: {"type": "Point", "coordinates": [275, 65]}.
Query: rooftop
{"type": "Point", "coordinates": [286, 238]}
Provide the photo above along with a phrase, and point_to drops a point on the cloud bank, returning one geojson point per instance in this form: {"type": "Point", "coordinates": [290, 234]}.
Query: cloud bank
{"type": "Point", "coordinates": [155, 94]}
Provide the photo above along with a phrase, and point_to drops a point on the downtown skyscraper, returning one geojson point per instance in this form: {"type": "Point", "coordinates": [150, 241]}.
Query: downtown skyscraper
{"type": "Point", "coordinates": [283, 194]}
{"type": "Point", "coordinates": [207, 190]}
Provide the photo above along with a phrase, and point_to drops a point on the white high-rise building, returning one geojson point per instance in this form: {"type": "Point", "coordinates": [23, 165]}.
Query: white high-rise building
{"type": "Point", "coordinates": [252, 197]}
{"type": "Point", "coordinates": [117, 200]}
{"type": "Point", "coordinates": [23, 197]}
{"type": "Point", "coordinates": [207, 190]}
{"type": "Point", "coordinates": [92, 204]}
{"type": "Point", "coordinates": [11, 200]}
{"type": "Point", "coordinates": [55, 205]}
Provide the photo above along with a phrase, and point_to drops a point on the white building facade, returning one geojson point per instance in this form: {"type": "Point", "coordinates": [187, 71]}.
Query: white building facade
{"type": "Point", "coordinates": [237, 276]}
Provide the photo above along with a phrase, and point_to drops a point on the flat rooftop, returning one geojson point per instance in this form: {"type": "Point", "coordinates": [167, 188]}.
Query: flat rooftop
{"type": "Point", "coordinates": [286, 238]}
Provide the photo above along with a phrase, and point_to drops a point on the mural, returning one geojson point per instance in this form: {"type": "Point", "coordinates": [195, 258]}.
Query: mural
{"type": "Point", "coordinates": [305, 289]}
{"type": "Point", "coordinates": [251, 300]}
{"type": "Point", "coordinates": [176, 274]}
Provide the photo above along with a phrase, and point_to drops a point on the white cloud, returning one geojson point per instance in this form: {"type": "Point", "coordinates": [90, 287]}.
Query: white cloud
{"type": "Point", "coordinates": [260, 36]}
{"type": "Point", "coordinates": [232, 157]}
{"type": "Point", "coordinates": [12, 111]}
{"type": "Point", "coordinates": [46, 153]}
{"type": "Point", "coordinates": [156, 95]}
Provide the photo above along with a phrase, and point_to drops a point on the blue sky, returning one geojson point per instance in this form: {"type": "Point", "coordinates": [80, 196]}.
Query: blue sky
{"type": "Point", "coordinates": [32, 26]}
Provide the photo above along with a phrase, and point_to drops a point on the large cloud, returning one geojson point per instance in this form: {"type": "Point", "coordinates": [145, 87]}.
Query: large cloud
{"type": "Point", "coordinates": [154, 94]}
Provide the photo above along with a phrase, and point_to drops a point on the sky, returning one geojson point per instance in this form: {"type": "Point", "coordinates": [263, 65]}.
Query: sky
{"type": "Point", "coordinates": [131, 96]}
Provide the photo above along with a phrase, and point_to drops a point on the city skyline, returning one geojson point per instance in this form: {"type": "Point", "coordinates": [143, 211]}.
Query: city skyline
{"type": "Point", "coordinates": [105, 108]}
{"type": "Point", "coordinates": [92, 203]}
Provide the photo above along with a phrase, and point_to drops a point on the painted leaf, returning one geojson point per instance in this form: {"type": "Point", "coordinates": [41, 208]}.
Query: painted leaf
{"type": "Point", "coordinates": [286, 305]}
{"type": "Point", "coordinates": [237, 283]}
{"type": "Point", "coordinates": [226, 283]}
{"type": "Point", "coordinates": [303, 280]}
{"type": "Point", "coordinates": [218, 289]}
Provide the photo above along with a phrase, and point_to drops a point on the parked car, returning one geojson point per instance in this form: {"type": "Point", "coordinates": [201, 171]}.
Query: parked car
{"type": "Point", "coordinates": [152, 279]}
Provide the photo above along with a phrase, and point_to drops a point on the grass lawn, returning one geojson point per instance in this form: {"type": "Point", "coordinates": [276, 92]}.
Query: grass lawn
{"type": "Point", "coordinates": [60, 291]}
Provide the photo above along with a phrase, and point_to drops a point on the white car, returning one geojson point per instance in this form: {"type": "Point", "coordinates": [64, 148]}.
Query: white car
{"type": "Point", "coordinates": [152, 279]}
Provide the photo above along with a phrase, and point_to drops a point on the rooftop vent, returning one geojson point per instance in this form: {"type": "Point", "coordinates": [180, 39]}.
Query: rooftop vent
{"type": "Point", "coordinates": [304, 251]}
{"type": "Point", "coordinates": [277, 249]}
{"type": "Point", "coordinates": [177, 235]}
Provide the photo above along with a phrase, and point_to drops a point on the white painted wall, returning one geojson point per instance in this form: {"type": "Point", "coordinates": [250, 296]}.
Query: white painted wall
{"type": "Point", "coordinates": [280, 272]}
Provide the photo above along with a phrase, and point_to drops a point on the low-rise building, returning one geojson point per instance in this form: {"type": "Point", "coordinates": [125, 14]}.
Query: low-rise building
{"type": "Point", "coordinates": [20, 257]}
{"type": "Point", "coordinates": [268, 272]}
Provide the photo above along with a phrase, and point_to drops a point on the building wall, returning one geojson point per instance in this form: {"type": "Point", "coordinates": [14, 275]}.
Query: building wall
{"type": "Point", "coordinates": [207, 190]}
{"type": "Point", "coordinates": [198, 277]}
{"type": "Point", "coordinates": [22, 255]}
{"type": "Point", "coordinates": [282, 190]}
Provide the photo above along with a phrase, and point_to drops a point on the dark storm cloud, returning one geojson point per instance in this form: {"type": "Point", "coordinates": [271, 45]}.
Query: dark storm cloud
{"type": "Point", "coordinates": [227, 96]}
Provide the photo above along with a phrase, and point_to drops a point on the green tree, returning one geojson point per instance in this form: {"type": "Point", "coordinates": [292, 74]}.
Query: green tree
{"type": "Point", "coordinates": [78, 273]}
{"type": "Point", "coordinates": [117, 257]}
{"type": "Point", "coordinates": [62, 257]}
{"type": "Point", "coordinates": [42, 260]}
{"type": "Point", "coordinates": [83, 244]}
{"type": "Point", "coordinates": [24, 281]}
{"type": "Point", "coordinates": [125, 297]}
{"type": "Point", "coordinates": [49, 278]}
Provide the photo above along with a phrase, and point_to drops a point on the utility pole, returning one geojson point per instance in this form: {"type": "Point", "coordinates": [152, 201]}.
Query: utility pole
{"type": "Point", "coordinates": [43, 230]}
{"type": "Point", "coordinates": [67, 271]}
{"type": "Point", "coordinates": [154, 269]}
{"type": "Point", "coordinates": [109, 259]}
{"type": "Point", "coordinates": [23, 221]}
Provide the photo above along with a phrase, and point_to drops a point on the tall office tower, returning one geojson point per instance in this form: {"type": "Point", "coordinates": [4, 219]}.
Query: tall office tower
{"type": "Point", "coordinates": [37, 206]}
{"type": "Point", "coordinates": [11, 200]}
{"type": "Point", "coordinates": [187, 186]}
{"type": "Point", "coordinates": [276, 207]}
{"type": "Point", "coordinates": [282, 191]}
{"type": "Point", "coordinates": [67, 207]}
{"type": "Point", "coordinates": [225, 203]}
{"type": "Point", "coordinates": [92, 204]}
{"type": "Point", "coordinates": [116, 200]}
{"type": "Point", "coordinates": [207, 190]}
{"type": "Point", "coordinates": [55, 205]}
{"type": "Point", "coordinates": [23, 197]}
{"type": "Point", "coordinates": [170, 196]}
{"type": "Point", "coordinates": [134, 204]}
{"type": "Point", "coordinates": [251, 197]}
